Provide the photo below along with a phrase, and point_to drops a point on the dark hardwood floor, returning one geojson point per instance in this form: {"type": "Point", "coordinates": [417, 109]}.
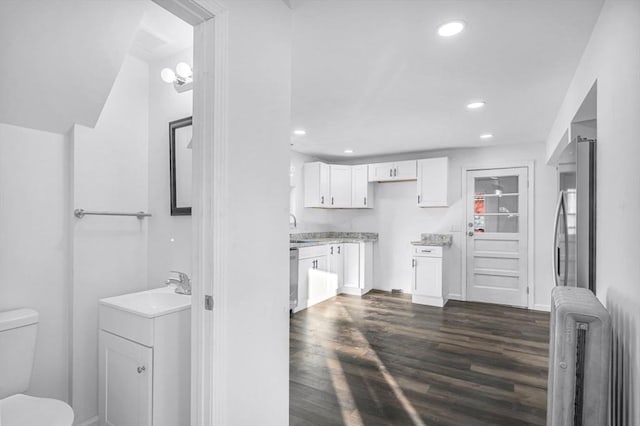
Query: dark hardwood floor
{"type": "Point", "coordinates": [381, 360]}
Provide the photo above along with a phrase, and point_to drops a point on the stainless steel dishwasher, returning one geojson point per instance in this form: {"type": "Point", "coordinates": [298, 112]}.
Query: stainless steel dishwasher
{"type": "Point", "coordinates": [293, 279]}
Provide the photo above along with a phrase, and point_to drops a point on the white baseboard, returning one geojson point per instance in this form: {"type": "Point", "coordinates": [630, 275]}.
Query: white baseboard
{"type": "Point", "coordinates": [455, 296]}
{"type": "Point", "coordinates": [428, 300]}
{"type": "Point", "coordinates": [352, 291]}
{"type": "Point", "coordinates": [540, 307]}
{"type": "Point", "coordinates": [93, 421]}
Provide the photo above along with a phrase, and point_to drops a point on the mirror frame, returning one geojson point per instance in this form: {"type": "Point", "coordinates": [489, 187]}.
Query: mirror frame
{"type": "Point", "coordinates": [173, 126]}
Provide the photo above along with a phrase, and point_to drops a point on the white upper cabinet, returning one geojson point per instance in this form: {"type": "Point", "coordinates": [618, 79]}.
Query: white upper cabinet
{"type": "Point", "coordinates": [361, 189]}
{"type": "Point", "coordinates": [432, 182]}
{"type": "Point", "coordinates": [340, 186]}
{"type": "Point", "coordinates": [389, 172]}
{"type": "Point", "coordinates": [317, 185]}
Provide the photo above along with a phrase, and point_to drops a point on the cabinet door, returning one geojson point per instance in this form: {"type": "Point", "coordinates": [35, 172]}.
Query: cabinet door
{"type": "Point", "coordinates": [351, 265]}
{"type": "Point", "coordinates": [361, 190]}
{"type": "Point", "coordinates": [125, 382]}
{"type": "Point", "coordinates": [305, 266]}
{"type": "Point", "coordinates": [340, 178]}
{"type": "Point", "coordinates": [316, 185]}
{"type": "Point", "coordinates": [320, 286]}
{"type": "Point", "coordinates": [381, 172]}
{"type": "Point", "coordinates": [336, 265]}
{"type": "Point", "coordinates": [432, 182]}
{"type": "Point", "coordinates": [405, 170]}
{"type": "Point", "coordinates": [427, 276]}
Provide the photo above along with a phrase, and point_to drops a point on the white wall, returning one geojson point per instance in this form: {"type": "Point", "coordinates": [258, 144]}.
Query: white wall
{"type": "Point", "coordinates": [109, 253]}
{"type": "Point", "coordinates": [612, 57]}
{"type": "Point", "coordinates": [34, 244]}
{"type": "Point", "coordinates": [398, 221]}
{"type": "Point", "coordinates": [169, 236]}
{"type": "Point", "coordinates": [256, 308]}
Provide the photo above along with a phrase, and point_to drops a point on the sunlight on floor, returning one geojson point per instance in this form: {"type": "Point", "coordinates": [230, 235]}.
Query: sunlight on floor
{"type": "Point", "coordinates": [348, 406]}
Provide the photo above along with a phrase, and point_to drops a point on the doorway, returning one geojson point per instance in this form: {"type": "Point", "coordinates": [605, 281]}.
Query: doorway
{"type": "Point", "coordinates": [496, 229]}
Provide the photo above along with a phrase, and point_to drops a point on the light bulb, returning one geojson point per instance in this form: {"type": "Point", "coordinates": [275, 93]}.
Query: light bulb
{"type": "Point", "coordinates": [168, 76]}
{"type": "Point", "coordinates": [183, 70]}
{"type": "Point", "coordinates": [451, 28]}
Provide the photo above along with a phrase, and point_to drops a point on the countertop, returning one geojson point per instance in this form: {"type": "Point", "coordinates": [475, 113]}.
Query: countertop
{"type": "Point", "coordinates": [438, 240]}
{"type": "Point", "coordinates": [310, 239]}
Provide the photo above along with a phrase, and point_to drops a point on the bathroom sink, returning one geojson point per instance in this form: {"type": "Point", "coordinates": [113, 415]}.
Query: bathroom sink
{"type": "Point", "coordinates": [150, 303]}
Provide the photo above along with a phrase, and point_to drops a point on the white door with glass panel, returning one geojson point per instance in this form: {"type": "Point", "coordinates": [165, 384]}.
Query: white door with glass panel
{"type": "Point", "coordinates": [496, 234]}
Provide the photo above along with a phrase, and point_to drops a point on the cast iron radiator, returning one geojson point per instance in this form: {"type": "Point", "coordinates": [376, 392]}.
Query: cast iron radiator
{"type": "Point", "coordinates": [579, 354]}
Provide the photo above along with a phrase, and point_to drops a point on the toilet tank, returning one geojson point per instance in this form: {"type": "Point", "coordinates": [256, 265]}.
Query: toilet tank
{"type": "Point", "coordinates": [17, 348]}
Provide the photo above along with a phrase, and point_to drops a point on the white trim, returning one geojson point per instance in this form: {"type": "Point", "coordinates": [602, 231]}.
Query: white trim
{"type": "Point", "coordinates": [530, 166]}
{"type": "Point", "coordinates": [92, 421]}
{"type": "Point", "coordinates": [210, 129]}
{"type": "Point", "coordinates": [455, 296]}
{"type": "Point", "coordinates": [541, 307]}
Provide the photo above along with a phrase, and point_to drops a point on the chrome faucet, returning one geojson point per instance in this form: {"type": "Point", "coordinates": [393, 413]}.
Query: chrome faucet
{"type": "Point", "coordinates": [183, 283]}
{"type": "Point", "coordinates": [295, 221]}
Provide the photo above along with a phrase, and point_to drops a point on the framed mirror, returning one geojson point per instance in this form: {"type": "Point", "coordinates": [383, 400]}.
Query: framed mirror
{"type": "Point", "coordinates": [180, 166]}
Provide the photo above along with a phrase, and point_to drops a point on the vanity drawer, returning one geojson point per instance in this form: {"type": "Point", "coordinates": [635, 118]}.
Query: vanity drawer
{"type": "Point", "coordinates": [313, 251]}
{"type": "Point", "coordinates": [127, 325]}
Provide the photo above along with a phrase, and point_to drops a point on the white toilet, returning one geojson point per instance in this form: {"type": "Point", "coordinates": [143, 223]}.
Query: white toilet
{"type": "Point", "coordinates": [17, 348]}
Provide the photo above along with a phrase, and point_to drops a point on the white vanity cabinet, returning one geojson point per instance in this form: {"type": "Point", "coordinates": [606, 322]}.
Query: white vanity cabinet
{"type": "Point", "coordinates": [394, 171]}
{"type": "Point", "coordinates": [433, 175]}
{"type": "Point", "coordinates": [144, 360]}
{"type": "Point", "coordinates": [427, 277]}
{"type": "Point", "coordinates": [126, 373]}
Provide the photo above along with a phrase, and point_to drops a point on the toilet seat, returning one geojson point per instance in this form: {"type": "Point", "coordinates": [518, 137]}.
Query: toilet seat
{"type": "Point", "coordinates": [24, 410]}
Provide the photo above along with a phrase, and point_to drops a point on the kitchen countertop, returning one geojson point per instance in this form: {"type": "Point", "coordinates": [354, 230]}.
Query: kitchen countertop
{"type": "Point", "coordinates": [310, 239]}
{"type": "Point", "coordinates": [439, 240]}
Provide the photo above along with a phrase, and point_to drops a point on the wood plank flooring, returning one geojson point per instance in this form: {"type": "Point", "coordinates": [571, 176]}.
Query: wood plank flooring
{"type": "Point", "coordinates": [381, 360]}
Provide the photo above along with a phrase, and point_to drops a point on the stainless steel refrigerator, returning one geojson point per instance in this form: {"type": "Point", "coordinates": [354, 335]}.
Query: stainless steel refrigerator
{"type": "Point", "coordinates": [574, 242]}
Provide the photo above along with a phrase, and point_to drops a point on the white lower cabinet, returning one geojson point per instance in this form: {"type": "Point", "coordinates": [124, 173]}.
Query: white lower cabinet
{"type": "Point", "coordinates": [324, 271]}
{"type": "Point", "coordinates": [427, 283]}
{"type": "Point", "coordinates": [358, 269]}
{"type": "Point", "coordinates": [314, 283]}
{"type": "Point", "coordinates": [127, 373]}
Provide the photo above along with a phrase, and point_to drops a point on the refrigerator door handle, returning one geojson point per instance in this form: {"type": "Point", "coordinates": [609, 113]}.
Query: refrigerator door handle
{"type": "Point", "coordinates": [560, 210]}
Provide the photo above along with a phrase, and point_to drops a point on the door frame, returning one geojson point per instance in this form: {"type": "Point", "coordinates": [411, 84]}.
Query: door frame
{"type": "Point", "coordinates": [530, 166]}
{"type": "Point", "coordinates": [210, 22]}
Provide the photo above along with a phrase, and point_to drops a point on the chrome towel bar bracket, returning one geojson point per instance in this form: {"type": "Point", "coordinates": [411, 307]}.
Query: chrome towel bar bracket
{"type": "Point", "coordinates": [80, 213]}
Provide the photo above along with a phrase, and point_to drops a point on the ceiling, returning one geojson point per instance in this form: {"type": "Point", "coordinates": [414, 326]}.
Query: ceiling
{"type": "Point", "coordinates": [374, 76]}
{"type": "Point", "coordinates": [61, 58]}
{"type": "Point", "coordinates": [161, 34]}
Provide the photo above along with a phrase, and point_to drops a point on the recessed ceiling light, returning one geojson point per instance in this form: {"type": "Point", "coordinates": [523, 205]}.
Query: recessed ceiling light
{"type": "Point", "coordinates": [476, 104]}
{"type": "Point", "coordinates": [348, 151]}
{"type": "Point", "coordinates": [299, 132]}
{"type": "Point", "coordinates": [486, 136]}
{"type": "Point", "coordinates": [451, 28]}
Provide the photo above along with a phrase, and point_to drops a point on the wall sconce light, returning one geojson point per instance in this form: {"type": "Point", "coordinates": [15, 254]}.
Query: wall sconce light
{"type": "Point", "coordinates": [182, 78]}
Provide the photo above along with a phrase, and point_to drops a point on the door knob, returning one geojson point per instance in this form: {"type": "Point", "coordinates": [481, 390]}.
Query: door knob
{"type": "Point", "coordinates": [470, 224]}
{"type": "Point", "coordinates": [470, 233]}
{"type": "Point", "coordinates": [141, 369]}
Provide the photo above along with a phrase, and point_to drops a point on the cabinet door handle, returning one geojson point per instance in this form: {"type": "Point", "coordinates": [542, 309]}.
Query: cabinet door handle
{"type": "Point", "coordinates": [331, 249]}
{"type": "Point", "coordinates": [390, 172]}
{"type": "Point", "coordinates": [365, 201]}
{"type": "Point", "coordinates": [331, 200]}
{"type": "Point", "coordinates": [395, 172]}
{"type": "Point", "coordinates": [141, 369]}
{"type": "Point", "coordinates": [413, 263]}
{"type": "Point", "coordinates": [418, 198]}
{"type": "Point", "coordinates": [322, 200]}
{"type": "Point", "coordinates": [338, 249]}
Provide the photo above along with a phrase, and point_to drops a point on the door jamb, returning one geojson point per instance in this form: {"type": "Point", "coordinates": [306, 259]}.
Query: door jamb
{"type": "Point", "coordinates": [530, 166]}
{"type": "Point", "coordinates": [210, 130]}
